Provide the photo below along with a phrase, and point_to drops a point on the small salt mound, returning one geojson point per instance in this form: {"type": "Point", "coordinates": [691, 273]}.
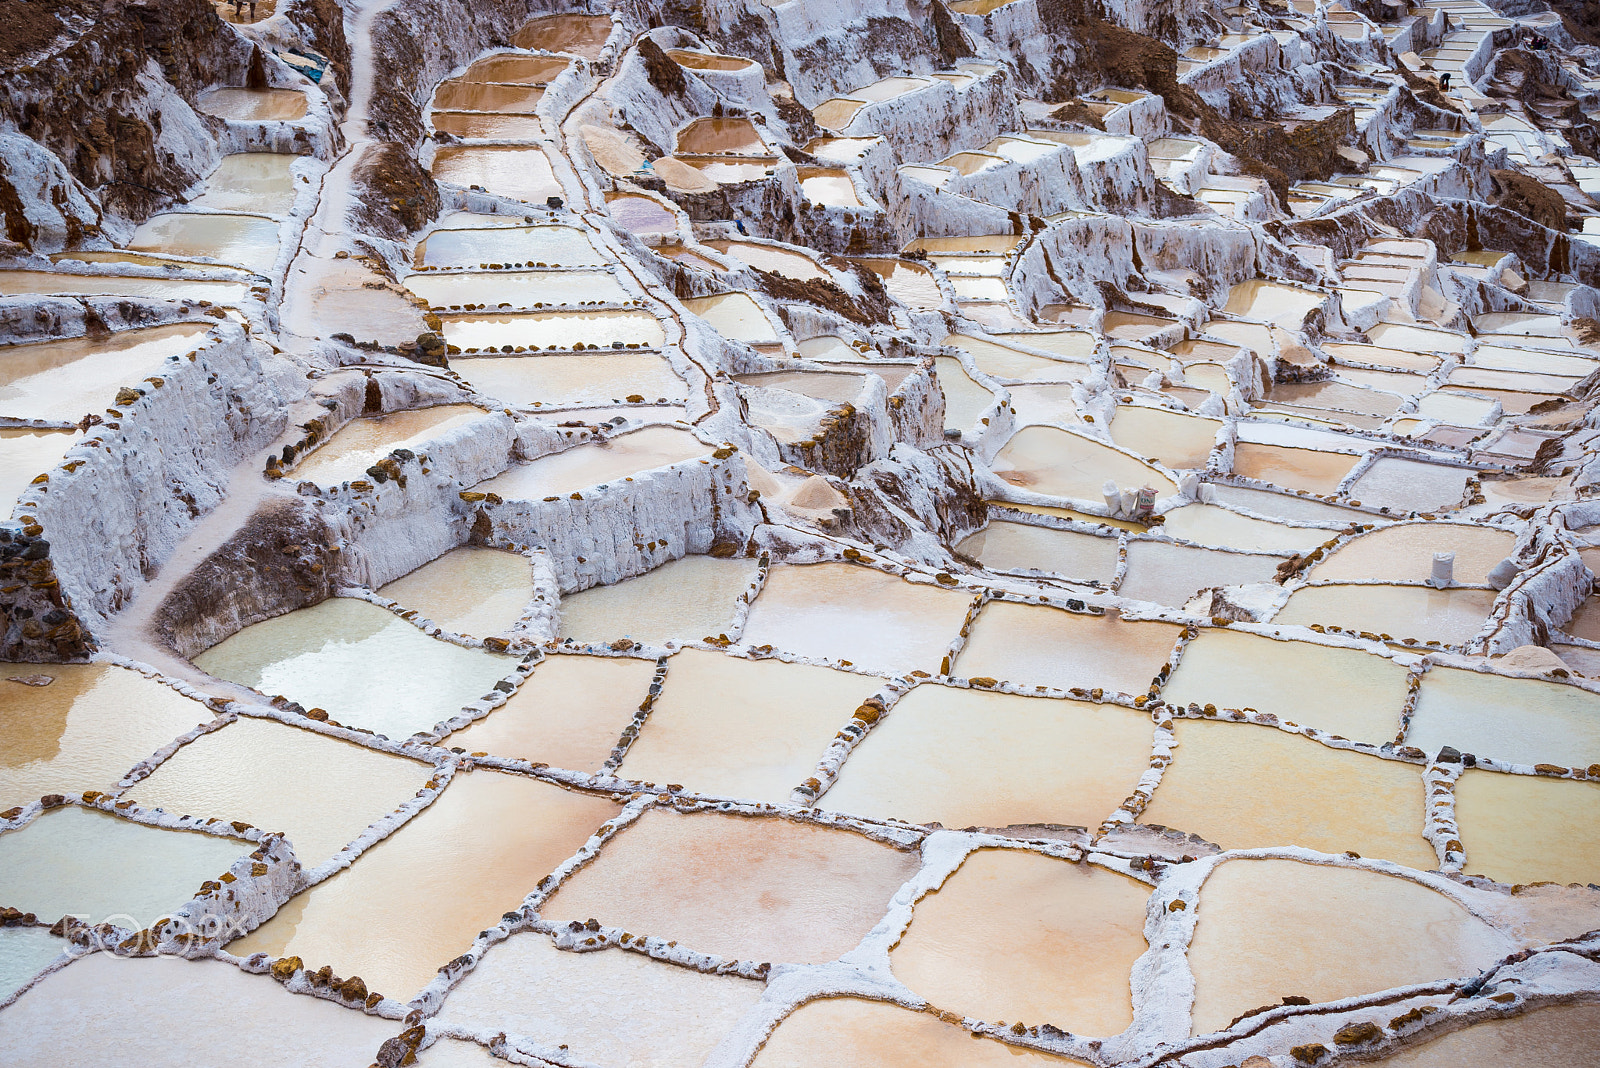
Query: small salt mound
{"type": "Point", "coordinates": [1531, 658]}
{"type": "Point", "coordinates": [815, 495]}
{"type": "Point", "coordinates": [612, 149]}
{"type": "Point", "coordinates": [681, 177]}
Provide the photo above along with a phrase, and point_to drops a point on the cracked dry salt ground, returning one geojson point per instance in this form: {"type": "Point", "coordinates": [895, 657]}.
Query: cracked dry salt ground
{"type": "Point", "coordinates": [631, 536]}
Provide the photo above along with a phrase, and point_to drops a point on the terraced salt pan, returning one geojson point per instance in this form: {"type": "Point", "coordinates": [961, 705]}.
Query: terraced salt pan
{"type": "Point", "coordinates": [1059, 463]}
{"type": "Point", "coordinates": [1340, 396]}
{"type": "Point", "coordinates": [1243, 786]}
{"type": "Point", "coordinates": [85, 730]}
{"type": "Point", "coordinates": [1171, 438]}
{"type": "Point", "coordinates": [747, 888]}
{"type": "Point", "coordinates": [742, 728]}
{"type": "Point", "coordinates": [569, 713]}
{"type": "Point", "coordinates": [773, 259]}
{"type": "Point", "coordinates": [1563, 1034]}
{"type": "Point", "coordinates": [24, 456]}
{"type": "Point", "coordinates": [735, 316]}
{"type": "Point", "coordinates": [250, 181]}
{"type": "Point", "coordinates": [552, 246]}
{"type": "Point", "coordinates": [27, 283]}
{"type": "Point", "coordinates": [1316, 472]}
{"type": "Point", "coordinates": [1272, 302]}
{"type": "Point", "coordinates": [577, 35]}
{"type": "Point", "coordinates": [363, 665]}
{"type": "Point", "coordinates": [854, 1033]}
{"type": "Point", "coordinates": [1450, 616]}
{"type": "Point", "coordinates": [1527, 829]}
{"type": "Point", "coordinates": [513, 69]}
{"type": "Point", "coordinates": [682, 600]}
{"type": "Point", "coordinates": [487, 126]}
{"type": "Point", "coordinates": [1171, 574]}
{"type": "Point", "coordinates": [640, 214]}
{"type": "Point", "coordinates": [719, 136]}
{"type": "Point", "coordinates": [1409, 486]}
{"type": "Point", "coordinates": [1521, 721]}
{"type": "Point", "coordinates": [1416, 339]}
{"type": "Point", "coordinates": [1286, 506]}
{"type": "Point", "coordinates": [321, 792]}
{"type": "Point", "coordinates": [874, 620]}
{"type": "Point", "coordinates": [520, 289]}
{"type": "Point", "coordinates": [418, 898]}
{"type": "Point", "coordinates": [1231, 669]}
{"type": "Point", "coordinates": [1014, 935]}
{"type": "Point", "coordinates": [1045, 405]}
{"type": "Point", "coordinates": [592, 464]}
{"type": "Point", "coordinates": [1024, 760]}
{"type": "Point", "coordinates": [964, 400]}
{"type": "Point", "coordinates": [553, 330]}
{"type": "Point", "coordinates": [247, 241]}
{"type": "Point", "coordinates": [519, 173]}
{"type": "Point", "coordinates": [1003, 361]}
{"type": "Point", "coordinates": [572, 379]}
{"type": "Point", "coordinates": [253, 105]}
{"type": "Point", "coordinates": [487, 97]}
{"type": "Point", "coordinates": [1003, 546]}
{"type": "Point", "coordinates": [468, 590]}
{"type": "Point", "coordinates": [99, 868]}
{"type": "Point", "coordinates": [24, 951]}
{"type": "Point", "coordinates": [829, 185]}
{"type": "Point", "coordinates": [1211, 525]}
{"type": "Point", "coordinates": [1035, 645]}
{"type": "Point", "coordinates": [362, 442]}
{"type": "Point", "coordinates": [1250, 909]}
{"type": "Point", "coordinates": [147, 1004]}
{"type": "Point", "coordinates": [910, 284]}
{"type": "Point", "coordinates": [612, 1007]}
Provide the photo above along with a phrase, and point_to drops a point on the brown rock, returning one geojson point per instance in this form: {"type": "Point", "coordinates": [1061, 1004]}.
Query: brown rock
{"type": "Point", "coordinates": [1353, 1034]}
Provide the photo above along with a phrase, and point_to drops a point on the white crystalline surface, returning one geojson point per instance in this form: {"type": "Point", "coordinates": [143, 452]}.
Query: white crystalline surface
{"type": "Point", "coordinates": [849, 533]}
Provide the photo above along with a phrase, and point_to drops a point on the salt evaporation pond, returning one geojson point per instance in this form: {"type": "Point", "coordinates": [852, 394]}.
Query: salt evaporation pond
{"type": "Point", "coordinates": [878, 1034]}
{"type": "Point", "coordinates": [238, 772]}
{"type": "Point", "coordinates": [1059, 463]}
{"type": "Point", "coordinates": [745, 889]}
{"type": "Point", "coordinates": [1517, 827]}
{"type": "Point", "coordinates": [1037, 646]}
{"type": "Point", "coordinates": [1556, 724]}
{"type": "Point", "coordinates": [855, 615]}
{"type": "Point", "coordinates": [86, 727]}
{"type": "Point", "coordinates": [1423, 613]}
{"type": "Point", "coordinates": [682, 600]}
{"type": "Point", "coordinates": [705, 732]}
{"type": "Point", "coordinates": [569, 713]}
{"type": "Point", "coordinates": [553, 330]}
{"type": "Point", "coordinates": [64, 380]}
{"type": "Point", "coordinates": [1231, 669]}
{"type": "Point", "coordinates": [101, 868]}
{"type": "Point", "coordinates": [178, 1013]}
{"type": "Point", "coordinates": [596, 463]}
{"type": "Point", "coordinates": [1022, 760]}
{"type": "Point", "coordinates": [1018, 936]}
{"type": "Point", "coordinates": [573, 379]}
{"type": "Point", "coordinates": [1243, 786]}
{"type": "Point", "coordinates": [361, 664]}
{"type": "Point", "coordinates": [1004, 546]}
{"type": "Point", "coordinates": [250, 181]}
{"type": "Point", "coordinates": [1250, 909]}
{"type": "Point", "coordinates": [466, 246]}
{"type": "Point", "coordinates": [468, 590]}
{"type": "Point", "coordinates": [24, 952]}
{"type": "Point", "coordinates": [613, 1007]}
{"type": "Point", "coordinates": [362, 442]}
{"type": "Point", "coordinates": [472, 855]}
